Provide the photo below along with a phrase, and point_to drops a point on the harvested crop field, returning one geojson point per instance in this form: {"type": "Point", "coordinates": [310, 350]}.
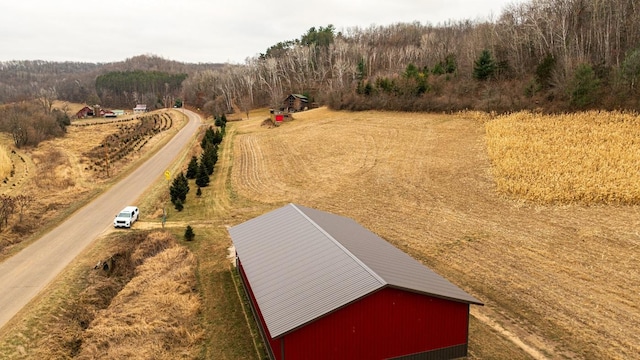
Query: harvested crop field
{"type": "Point", "coordinates": [590, 158]}
{"type": "Point", "coordinates": [562, 279]}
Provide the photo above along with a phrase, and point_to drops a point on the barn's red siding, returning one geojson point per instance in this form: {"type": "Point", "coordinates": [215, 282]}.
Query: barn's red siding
{"type": "Point", "coordinates": [387, 323]}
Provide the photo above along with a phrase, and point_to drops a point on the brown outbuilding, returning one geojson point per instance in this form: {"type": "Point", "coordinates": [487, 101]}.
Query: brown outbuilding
{"type": "Point", "coordinates": [295, 102]}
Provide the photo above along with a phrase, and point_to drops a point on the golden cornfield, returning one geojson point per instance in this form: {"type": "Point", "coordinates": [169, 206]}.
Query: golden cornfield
{"type": "Point", "coordinates": [589, 158]}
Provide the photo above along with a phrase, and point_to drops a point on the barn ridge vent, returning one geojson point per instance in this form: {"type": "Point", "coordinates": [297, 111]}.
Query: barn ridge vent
{"type": "Point", "coordinates": [344, 249]}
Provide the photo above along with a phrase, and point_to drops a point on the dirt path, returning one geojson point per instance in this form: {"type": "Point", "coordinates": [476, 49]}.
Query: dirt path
{"type": "Point", "coordinates": [532, 344]}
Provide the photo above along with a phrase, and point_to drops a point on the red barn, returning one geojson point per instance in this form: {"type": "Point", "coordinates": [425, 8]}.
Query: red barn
{"type": "Point", "coordinates": [323, 287]}
{"type": "Point", "coordinates": [84, 112]}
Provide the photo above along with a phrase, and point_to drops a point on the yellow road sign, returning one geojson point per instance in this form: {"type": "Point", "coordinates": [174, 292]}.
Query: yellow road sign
{"type": "Point", "coordinates": [167, 175]}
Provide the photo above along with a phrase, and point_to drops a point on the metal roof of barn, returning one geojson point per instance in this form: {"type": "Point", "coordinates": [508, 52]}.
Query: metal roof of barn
{"type": "Point", "coordinates": [303, 263]}
{"type": "Point", "coordinates": [299, 96]}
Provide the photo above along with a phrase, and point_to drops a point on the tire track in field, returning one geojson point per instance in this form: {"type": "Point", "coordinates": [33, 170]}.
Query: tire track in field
{"type": "Point", "coordinates": [251, 165]}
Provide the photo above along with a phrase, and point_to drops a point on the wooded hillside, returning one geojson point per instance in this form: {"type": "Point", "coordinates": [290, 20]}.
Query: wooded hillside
{"type": "Point", "coordinates": [556, 55]}
{"type": "Point", "coordinates": [77, 82]}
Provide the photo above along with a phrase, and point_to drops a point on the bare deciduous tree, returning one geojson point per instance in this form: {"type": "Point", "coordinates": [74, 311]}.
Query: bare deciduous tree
{"type": "Point", "coordinates": [46, 97]}
{"type": "Point", "coordinates": [7, 208]}
{"type": "Point", "coordinates": [22, 202]}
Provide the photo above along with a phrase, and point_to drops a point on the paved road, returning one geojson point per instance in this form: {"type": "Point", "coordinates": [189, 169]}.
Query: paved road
{"type": "Point", "coordinates": [24, 275]}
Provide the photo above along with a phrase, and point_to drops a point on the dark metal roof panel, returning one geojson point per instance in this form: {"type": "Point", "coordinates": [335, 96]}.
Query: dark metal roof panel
{"type": "Point", "coordinates": [397, 268]}
{"type": "Point", "coordinates": [297, 272]}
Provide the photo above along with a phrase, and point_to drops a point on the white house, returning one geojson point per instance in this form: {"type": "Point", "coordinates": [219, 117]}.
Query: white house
{"type": "Point", "coordinates": [140, 108]}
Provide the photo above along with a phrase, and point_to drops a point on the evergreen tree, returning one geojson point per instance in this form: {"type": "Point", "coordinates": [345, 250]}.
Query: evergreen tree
{"type": "Point", "coordinates": [484, 67]}
{"type": "Point", "coordinates": [209, 157]}
{"type": "Point", "coordinates": [211, 136]}
{"type": "Point", "coordinates": [202, 178]}
{"type": "Point", "coordinates": [189, 234]}
{"type": "Point", "coordinates": [544, 71]}
{"type": "Point", "coordinates": [584, 86]}
{"type": "Point", "coordinates": [178, 205]}
{"type": "Point", "coordinates": [630, 69]}
{"type": "Point", "coordinates": [450, 64]}
{"type": "Point", "coordinates": [438, 69]}
{"type": "Point", "coordinates": [321, 37]}
{"type": "Point", "coordinates": [416, 80]}
{"type": "Point", "coordinates": [192, 169]}
{"type": "Point", "coordinates": [179, 189]}
{"type": "Point", "coordinates": [207, 138]}
{"type": "Point", "coordinates": [361, 70]}
{"type": "Point", "coordinates": [411, 71]}
{"type": "Point", "coordinates": [368, 89]}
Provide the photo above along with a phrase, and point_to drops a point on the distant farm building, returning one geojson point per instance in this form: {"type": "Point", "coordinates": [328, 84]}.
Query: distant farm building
{"type": "Point", "coordinates": [140, 108]}
{"type": "Point", "coordinates": [323, 287]}
{"type": "Point", "coordinates": [295, 102]}
{"type": "Point", "coordinates": [84, 112]}
{"type": "Point", "coordinates": [278, 117]}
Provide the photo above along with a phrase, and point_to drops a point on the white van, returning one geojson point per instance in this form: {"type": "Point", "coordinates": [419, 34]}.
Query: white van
{"type": "Point", "coordinates": [126, 217]}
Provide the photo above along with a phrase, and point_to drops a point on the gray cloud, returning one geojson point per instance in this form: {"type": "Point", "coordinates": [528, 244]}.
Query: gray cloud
{"type": "Point", "coordinates": [198, 30]}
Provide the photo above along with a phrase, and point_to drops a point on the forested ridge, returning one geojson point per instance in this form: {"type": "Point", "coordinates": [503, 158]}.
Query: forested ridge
{"type": "Point", "coordinates": [121, 88]}
{"type": "Point", "coordinates": [550, 55]}
{"type": "Point", "coordinates": [554, 55]}
{"type": "Point", "coordinates": [77, 81]}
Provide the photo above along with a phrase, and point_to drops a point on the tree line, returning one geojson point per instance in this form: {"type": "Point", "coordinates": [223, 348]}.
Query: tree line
{"type": "Point", "coordinates": [200, 169]}
{"type": "Point", "coordinates": [558, 55]}
{"type": "Point", "coordinates": [76, 81]}
{"type": "Point", "coordinates": [126, 88]}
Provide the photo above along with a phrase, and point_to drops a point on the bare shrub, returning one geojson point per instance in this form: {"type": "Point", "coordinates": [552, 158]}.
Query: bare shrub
{"type": "Point", "coordinates": [54, 169]}
{"type": "Point", "coordinates": [154, 316]}
{"type": "Point", "coordinates": [139, 302]}
{"type": "Point", "coordinates": [154, 244]}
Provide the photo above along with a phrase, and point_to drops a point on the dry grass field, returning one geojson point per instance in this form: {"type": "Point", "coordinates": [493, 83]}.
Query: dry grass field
{"type": "Point", "coordinates": [562, 279]}
{"type": "Point", "coordinates": [5, 163]}
{"type": "Point", "coordinates": [559, 277]}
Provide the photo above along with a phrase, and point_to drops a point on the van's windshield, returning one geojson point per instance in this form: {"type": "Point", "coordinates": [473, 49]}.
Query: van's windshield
{"type": "Point", "coordinates": [124, 215]}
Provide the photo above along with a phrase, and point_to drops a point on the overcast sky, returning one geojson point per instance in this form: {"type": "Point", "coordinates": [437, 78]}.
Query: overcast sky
{"type": "Point", "coordinates": [199, 31]}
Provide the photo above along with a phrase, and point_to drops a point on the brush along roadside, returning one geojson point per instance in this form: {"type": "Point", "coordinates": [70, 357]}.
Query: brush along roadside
{"type": "Point", "coordinates": [140, 302]}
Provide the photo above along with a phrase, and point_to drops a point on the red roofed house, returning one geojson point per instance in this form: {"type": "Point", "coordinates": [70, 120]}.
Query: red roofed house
{"type": "Point", "coordinates": [323, 287]}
